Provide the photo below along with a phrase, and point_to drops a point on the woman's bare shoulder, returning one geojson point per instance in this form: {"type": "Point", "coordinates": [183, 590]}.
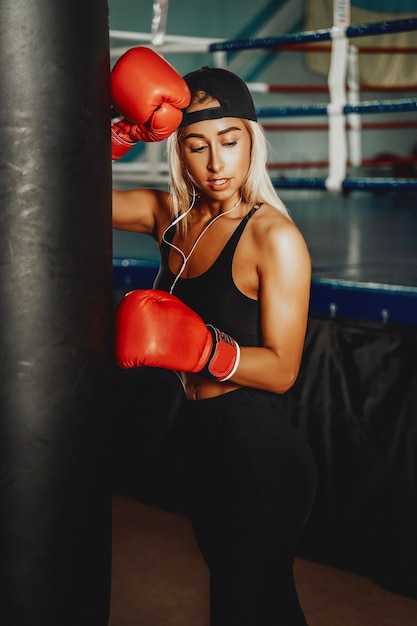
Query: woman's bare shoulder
{"type": "Point", "coordinates": [270, 224]}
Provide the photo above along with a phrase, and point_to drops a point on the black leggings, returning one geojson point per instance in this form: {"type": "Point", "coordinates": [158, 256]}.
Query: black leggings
{"type": "Point", "coordinates": [251, 486]}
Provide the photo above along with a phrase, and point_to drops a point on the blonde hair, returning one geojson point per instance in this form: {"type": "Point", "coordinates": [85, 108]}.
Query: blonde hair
{"type": "Point", "coordinates": [257, 186]}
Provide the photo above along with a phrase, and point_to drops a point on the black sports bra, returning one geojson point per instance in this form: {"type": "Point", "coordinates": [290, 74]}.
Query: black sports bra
{"type": "Point", "coordinates": [213, 294]}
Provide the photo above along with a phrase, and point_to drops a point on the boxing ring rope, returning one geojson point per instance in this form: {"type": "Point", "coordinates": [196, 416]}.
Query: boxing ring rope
{"type": "Point", "coordinates": [327, 34]}
{"type": "Point", "coordinates": [364, 49]}
{"type": "Point", "coordinates": [304, 110]}
{"type": "Point", "coordinates": [175, 44]}
{"type": "Point", "coordinates": [267, 88]}
{"type": "Point", "coordinates": [343, 111]}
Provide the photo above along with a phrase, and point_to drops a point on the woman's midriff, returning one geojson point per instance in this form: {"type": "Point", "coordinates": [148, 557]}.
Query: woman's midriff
{"type": "Point", "coordinates": [197, 388]}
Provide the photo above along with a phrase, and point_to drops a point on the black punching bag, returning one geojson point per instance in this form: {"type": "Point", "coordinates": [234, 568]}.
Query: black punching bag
{"type": "Point", "coordinates": [55, 313]}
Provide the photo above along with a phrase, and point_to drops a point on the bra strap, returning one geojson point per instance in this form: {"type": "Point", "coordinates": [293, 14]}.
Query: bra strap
{"type": "Point", "coordinates": [254, 209]}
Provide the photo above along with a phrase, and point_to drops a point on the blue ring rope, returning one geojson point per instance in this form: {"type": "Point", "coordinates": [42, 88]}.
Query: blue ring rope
{"type": "Point", "coordinates": [394, 184]}
{"type": "Point", "coordinates": [359, 30]}
{"type": "Point", "coordinates": [377, 106]}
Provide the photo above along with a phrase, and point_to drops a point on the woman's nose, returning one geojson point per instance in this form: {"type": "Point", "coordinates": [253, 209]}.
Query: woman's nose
{"type": "Point", "coordinates": [215, 164]}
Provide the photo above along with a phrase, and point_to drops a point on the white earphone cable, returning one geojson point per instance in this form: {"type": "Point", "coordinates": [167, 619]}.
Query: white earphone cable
{"type": "Point", "coordinates": [175, 222]}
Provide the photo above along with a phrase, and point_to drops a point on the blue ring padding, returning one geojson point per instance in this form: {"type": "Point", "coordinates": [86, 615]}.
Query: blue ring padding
{"type": "Point", "coordinates": [401, 184]}
{"type": "Point", "coordinates": [375, 106]}
{"type": "Point", "coordinates": [359, 30]}
{"type": "Point", "coordinates": [372, 302]}
{"type": "Point", "coordinates": [329, 297]}
{"type": "Point", "coordinates": [299, 183]}
{"type": "Point", "coordinates": [393, 184]}
{"type": "Point", "coordinates": [134, 273]}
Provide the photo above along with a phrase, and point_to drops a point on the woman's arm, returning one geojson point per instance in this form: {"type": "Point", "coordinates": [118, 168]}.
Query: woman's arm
{"type": "Point", "coordinates": [141, 210]}
{"type": "Point", "coordinates": [284, 292]}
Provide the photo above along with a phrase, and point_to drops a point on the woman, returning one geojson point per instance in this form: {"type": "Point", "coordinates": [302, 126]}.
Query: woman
{"type": "Point", "coordinates": [235, 260]}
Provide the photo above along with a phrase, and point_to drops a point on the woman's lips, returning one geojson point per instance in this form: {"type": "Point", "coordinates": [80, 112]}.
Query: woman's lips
{"type": "Point", "coordinates": [218, 183]}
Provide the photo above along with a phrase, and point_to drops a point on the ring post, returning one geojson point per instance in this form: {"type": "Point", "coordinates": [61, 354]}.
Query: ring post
{"type": "Point", "coordinates": [55, 314]}
{"type": "Point", "coordinates": [337, 91]}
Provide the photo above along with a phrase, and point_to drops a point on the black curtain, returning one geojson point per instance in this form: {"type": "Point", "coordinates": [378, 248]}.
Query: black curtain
{"type": "Point", "coordinates": [356, 402]}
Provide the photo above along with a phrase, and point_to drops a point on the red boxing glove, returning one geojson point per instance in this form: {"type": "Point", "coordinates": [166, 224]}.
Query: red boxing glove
{"type": "Point", "coordinates": [150, 94]}
{"type": "Point", "coordinates": [124, 135]}
{"type": "Point", "coordinates": [156, 329]}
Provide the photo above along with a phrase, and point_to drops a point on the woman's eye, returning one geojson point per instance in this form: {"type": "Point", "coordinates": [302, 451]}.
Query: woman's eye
{"type": "Point", "coordinates": [197, 148]}
{"type": "Point", "coordinates": [230, 143]}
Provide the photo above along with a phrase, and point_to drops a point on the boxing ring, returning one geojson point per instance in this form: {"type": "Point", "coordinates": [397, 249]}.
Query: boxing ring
{"type": "Point", "coordinates": [356, 396]}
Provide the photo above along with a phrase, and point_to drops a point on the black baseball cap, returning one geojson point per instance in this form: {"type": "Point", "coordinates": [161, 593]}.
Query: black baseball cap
{"type": "Point", "coordinates": [230, 90]}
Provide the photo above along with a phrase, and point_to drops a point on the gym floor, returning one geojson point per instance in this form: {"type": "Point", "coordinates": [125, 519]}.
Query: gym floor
{"type": "Point", "coordinates": [159, 578]}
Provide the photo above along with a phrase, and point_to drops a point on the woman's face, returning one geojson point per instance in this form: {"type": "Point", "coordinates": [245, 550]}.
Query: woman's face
{"type": "Point", "coordinates": [216, 154]}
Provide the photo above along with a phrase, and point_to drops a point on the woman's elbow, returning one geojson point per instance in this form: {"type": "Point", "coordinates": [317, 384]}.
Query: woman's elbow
{"type": "Point", "coordinates": [285, 373]}
{"type": "Point", "coordinates": [284, 382]}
